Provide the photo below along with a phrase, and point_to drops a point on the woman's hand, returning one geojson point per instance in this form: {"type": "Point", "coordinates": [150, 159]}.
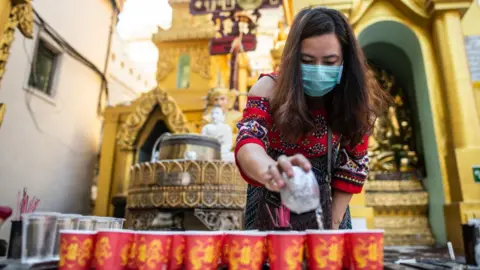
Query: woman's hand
{"type": "Point", "coordinates": [274, 180]}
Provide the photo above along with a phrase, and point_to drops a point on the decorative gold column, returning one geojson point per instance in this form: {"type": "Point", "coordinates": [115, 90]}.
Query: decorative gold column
{"type": "Point", "coordinates": [107, 162]}
{"type": "Point", "coordinates": [463, 124]}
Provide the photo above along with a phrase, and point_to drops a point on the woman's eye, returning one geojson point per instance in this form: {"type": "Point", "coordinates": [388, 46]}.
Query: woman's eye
{"type": "Point", "coordinates": [330, 63]}
{"type": "Point", "coordinates": [305, 61]}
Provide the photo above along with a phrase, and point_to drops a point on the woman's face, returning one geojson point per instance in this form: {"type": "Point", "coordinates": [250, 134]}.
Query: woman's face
{"type": "Point", "coordinates": [321, 50]}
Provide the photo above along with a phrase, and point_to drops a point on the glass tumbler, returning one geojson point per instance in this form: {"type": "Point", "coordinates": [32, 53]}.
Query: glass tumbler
{"type": "Point", "coordinates": [38, 236]}
{"type": "Point", "coordinates": [86, 223]}
{"type": "Point", "coordinates": [103, 223]}
{"type": "Point", "coordinates": [117, 223]}
{"type": "Point", "coordinates": [64, 222]}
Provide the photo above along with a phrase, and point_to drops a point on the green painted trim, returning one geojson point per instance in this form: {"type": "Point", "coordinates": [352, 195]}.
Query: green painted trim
{"type": "Point", "coordinates": [183, 71]}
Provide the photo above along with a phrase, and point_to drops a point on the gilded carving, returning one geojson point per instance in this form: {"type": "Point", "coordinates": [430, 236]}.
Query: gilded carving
{"type": "Point", "coordinates": [417, 239]}
{"type": "Point", "coordinates": [401, 222]}
{"type": "Point", "coordinates": [193, 168]}
{"type": "Point", "coordinates": [21, 16]}
{"type": "Point", "coordinates": [167, 60]}
{"type": "Point", "coordinates": [165, 64]}
{"type": "Point", "coordinates": [226, 200]}
{"type": "Point", "coordinates": [147, 174]}
{"type": "Point", "coordinates": [25, 18]}
{"type": "Point", "coordinates": [220, 220]}
{"type": "Point", "coordinates": [358, 10]}
{"type": "Point", "coordinates": [174, 198]}
{"type": "Point", "coordinates": [143, 106]}
{"type": "Point", "coordinates": [144, 201]}
{"type": "Point", "coordinates": [397, 199]}
{"type": "Point", "coordinates": [211, 173]}
{"type": "Point", "coordinates": [140, 220]}
{"type": "Point", "coordinates": [136, 175]}
{"type": "Point", "coordinates": [216, 185]}
{"type": "Point", "coordinates": [210, 198]}
{"type": "Point", "coordinates": [216, 194]}
{"type": "Point", "coordinates": [157, 199]}
{"type": "Point", "coordinates": [174, 168]}
{"type": "Point", "coordinates": [394, 185]}
{"type": "Point", "coordinates": [159, 171]}
{"type": "Point", "coordinates": [201, 62]}
{"type": "Point", "coordinates": [192, 199]}
{"type": "Point", "coordinates": [226, 172]}
{"type": "Point", "coordinates": [240, 199]}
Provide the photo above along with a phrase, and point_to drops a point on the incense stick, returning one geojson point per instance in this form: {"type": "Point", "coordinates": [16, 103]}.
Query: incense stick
{"type": "Point", "coordinates": [25, 204]}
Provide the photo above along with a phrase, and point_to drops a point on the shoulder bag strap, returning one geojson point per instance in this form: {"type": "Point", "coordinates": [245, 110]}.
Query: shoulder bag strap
{"type": "Point", "coordinates": [329, 155]}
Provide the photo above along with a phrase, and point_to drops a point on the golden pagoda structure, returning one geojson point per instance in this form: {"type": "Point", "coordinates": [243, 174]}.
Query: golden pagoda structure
{"type": "Point", "coordinates": [13, 15]}
{"type": "Point", "coordinates": [187, 87]}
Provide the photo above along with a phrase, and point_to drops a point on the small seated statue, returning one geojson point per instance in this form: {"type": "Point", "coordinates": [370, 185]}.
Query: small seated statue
{"type": "Point", "coordinates": [225, 99]}
{"type": "Point", "coordinates": [221, 131]}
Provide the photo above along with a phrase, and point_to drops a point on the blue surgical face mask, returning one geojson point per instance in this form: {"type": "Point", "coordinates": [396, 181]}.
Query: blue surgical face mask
{"type": "Point", "coordinates": [319, 80]}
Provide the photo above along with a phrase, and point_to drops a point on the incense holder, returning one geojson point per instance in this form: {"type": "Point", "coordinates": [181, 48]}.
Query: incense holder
{"type": "Point", "coordinates": [15, 243]}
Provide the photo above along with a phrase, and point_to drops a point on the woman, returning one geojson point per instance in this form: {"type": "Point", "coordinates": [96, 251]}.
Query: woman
{"type": "Point", "coordinates": [322, 91]}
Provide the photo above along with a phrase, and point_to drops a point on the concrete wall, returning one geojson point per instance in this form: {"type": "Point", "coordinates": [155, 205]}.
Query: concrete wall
{"type": "Point", "coordinates": [51, 148]}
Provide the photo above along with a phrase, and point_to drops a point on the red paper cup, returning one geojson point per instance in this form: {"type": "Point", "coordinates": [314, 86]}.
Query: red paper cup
{"type": "Point", "coordinates": [76, 249]}
{"type": "Point", "coordinates": [113, 249]}
{"type": "Point", "coordinates": [285, 250]}
{"type": "Point", "coordinates": [224, 250]}
{"type": "Point", "coordinates": [366, 249]}
{"type": "Point", "coordinates": [225, 245]}
{"type": "Point", "coordinates": [177, 251]}
{"type": "Point", "coordinates": [325, 249]}
{"type": "Point", "coordinates": [202, 249]}
{"type": "Point", "coordinates": [245, 250]}
{"type": "Point", "coordinates": [132, 258]}
{"type": "Point", "coordinates": [152, 249]}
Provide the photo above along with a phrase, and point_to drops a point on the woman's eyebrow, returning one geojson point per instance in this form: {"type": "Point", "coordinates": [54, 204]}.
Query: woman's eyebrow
{"type": "Point", "coordinates": [330, 56]}
{"type": "Point", "coordinates": [307, 55]}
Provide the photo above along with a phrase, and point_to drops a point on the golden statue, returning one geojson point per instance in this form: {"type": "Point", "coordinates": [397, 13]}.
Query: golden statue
{"type": "Point", "coordinates": [279, 44]}
{"type": "Point", "coordinates": [391, 145]}
{"type": "Point", "coordinates": [225, 99]}
{"type": "Point", "coordinates": [282, 33]}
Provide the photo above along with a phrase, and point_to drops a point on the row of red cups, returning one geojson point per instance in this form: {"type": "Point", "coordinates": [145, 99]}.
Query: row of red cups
{"type": "Point", "coordinates": [191, 250]}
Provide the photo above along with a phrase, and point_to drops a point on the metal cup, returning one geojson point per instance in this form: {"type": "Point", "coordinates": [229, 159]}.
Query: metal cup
{"type": "Point", "coordinates": [38, 239]}
{"type": "Point", "coordinates": [64, 222]}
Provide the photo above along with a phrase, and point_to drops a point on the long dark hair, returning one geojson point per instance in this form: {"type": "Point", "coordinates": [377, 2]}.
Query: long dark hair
{"type": "Point", "coordinates": [355, 103]}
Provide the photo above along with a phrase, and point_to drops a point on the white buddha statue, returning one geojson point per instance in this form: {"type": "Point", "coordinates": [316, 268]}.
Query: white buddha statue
{"type": "Point", "coordinates": [221, 131]}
